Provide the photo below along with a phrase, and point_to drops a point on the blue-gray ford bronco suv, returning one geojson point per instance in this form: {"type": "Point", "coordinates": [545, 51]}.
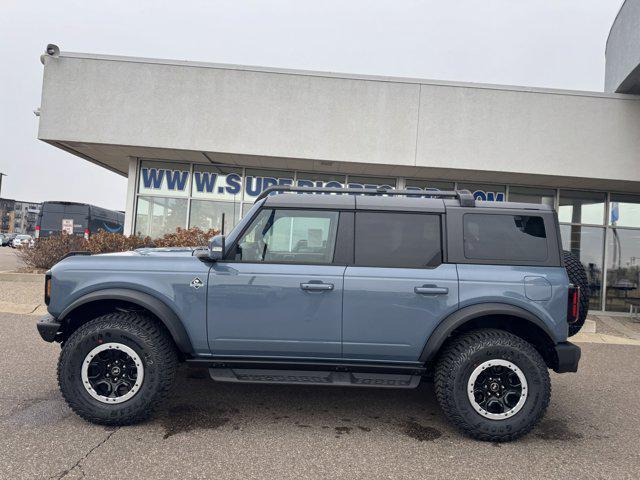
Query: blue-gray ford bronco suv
{"type": "Point", "coordinates": [335, 287]}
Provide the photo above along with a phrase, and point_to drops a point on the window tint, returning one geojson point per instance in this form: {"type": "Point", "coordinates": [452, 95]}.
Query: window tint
{"type": "Point", "coordinates": [291, 236]}
{"type": "Point", "coordinates": [504, 237]}
{"type": "Point", "coordinates": [397, 240]}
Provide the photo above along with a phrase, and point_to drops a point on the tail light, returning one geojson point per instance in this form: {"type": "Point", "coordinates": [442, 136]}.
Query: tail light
{"type": "Point", "coordinates": [37, 231]}
{"type": "Point", "coordinates": [573, 306]}
{"type": "Point", "coordinates": [47, 289]}
{"type": "Point", "coordinates": [86, 234]}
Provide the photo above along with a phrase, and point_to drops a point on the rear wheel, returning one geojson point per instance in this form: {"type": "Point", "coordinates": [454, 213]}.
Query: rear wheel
{"type": "Point", "coordinates": [117, 369]}
{"type": "Point", "coordinates": [492, 385]}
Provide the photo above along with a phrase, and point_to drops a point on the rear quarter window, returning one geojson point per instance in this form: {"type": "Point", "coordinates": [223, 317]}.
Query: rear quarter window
{"type": "Point", "coordinates": [511, 238]}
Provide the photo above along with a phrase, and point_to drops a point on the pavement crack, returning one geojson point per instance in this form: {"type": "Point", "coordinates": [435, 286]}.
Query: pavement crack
{"type": "Point", "coordinates": [34, 309]}
{"type": "Point", "coordinates": [78, 464]}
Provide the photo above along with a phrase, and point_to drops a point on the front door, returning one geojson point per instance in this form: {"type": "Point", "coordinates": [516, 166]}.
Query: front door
{"type": "Point", "coordinates": [280, 295]}
{"type": "Point", "coordinates": [398, 290]}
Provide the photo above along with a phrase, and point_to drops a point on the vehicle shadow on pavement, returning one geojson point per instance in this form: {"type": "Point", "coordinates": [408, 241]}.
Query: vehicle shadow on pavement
{"type": "Point", "coordinates": [199, 403]}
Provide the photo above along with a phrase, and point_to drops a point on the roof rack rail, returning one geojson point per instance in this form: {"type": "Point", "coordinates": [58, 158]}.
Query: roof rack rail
{"type": "Point", "coordinates": [465, 197]}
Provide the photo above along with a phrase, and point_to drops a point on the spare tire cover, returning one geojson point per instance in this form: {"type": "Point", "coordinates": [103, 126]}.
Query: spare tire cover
{"type": "Point", "coordinates": [578, 277]}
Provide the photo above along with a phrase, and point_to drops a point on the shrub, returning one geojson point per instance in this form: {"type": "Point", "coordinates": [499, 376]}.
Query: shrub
{"type": "Point", "coordinates": [106, 242]}
{"type": "Point", "coordinates": [191, 237]}
{"type": "Point", "coordinates": [48, 251]}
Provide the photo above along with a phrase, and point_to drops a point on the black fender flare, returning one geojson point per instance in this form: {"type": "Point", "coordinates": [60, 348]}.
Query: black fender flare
{"type": "Point", "coordinates": [160, 309]}
{"type": "Point", "coordinates": [466, 314]}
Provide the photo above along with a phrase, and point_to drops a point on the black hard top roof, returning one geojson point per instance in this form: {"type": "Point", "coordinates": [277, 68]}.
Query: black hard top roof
{"type": "Point", "coordinates": [382, 202]}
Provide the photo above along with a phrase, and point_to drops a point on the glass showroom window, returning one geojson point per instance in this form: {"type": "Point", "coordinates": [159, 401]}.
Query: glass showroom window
{"type": "Point", "coordinates": [587, 244]}
{"type": "Point", "coordinates": [309, 179]}
{"type": "Point", "coordinates": [545, 196]}
{"type": "Point", "coordinates": [371, 182]}
{"type": "Point", "coordinates": [207, 215]}
{"type": "Point", "coordinates": [257, 180]}
{"type": "Point", "coordinates": [216, 197]}
{"type": "Point", "coordinates": [581, 207]}
{"type": "Point", "coordinates": [625, 210]}
{"type": "Point", "coordinates": [156, 216]}
{"type": "Point", "coordinates": [411, 183]}
{"type": "Point", "coordinates": [485, 192]}
{"type": "Point", "coordinates": [164, 178]}
{"type": "Point", "coordinates": [163, 191]}
{"type": "Point", "coordinates": [623, 252]}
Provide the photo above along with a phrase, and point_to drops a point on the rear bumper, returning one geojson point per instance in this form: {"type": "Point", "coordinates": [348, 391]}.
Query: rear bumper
{"type": "Point", "coordinates": [568, 356]}
{"type": "Point", "coordinates": [48, 328]}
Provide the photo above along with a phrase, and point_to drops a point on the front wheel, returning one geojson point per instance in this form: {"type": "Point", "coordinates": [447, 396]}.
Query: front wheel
{"type": "Point", "coordinates": [492, 385]}
{"type": "Point", "coordinates": [117, 369]}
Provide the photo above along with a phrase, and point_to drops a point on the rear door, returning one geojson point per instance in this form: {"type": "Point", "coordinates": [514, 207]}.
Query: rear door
{"type": "Point", "coordinates": [398, 289]}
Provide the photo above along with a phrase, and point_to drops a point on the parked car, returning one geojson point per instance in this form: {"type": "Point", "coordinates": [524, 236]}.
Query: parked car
{"type": "Point", "coordinates": [22, 241]}
{"type": "Point", "coordinates": [7, 239]}
{"type": "Point", "coordinates": [347, 289]}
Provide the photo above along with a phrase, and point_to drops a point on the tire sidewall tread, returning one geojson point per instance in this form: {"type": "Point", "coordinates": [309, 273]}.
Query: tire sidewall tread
{"type": "Point", "coordinates": [453, 370]}
{"type": "Point", "coordinates": [151, 343]}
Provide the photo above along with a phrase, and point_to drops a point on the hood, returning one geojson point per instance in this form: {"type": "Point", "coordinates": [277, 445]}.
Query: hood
{"type": "Point", "coordinates": [155, 252]}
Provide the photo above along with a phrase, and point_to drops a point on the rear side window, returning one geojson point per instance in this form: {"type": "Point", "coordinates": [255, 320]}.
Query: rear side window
{"type": "Point", "coordinates": [505, 237]}
{"type": "Point", "coordinates": [403, 240]}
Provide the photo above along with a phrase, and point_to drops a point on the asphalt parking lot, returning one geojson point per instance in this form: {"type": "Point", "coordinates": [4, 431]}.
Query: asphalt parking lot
{"type": "Point", "coordinates": [212, 430]}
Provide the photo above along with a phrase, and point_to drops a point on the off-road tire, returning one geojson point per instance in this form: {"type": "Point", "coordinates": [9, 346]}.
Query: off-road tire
{"type": "Point", "coordinates": [151, 342]}
{"type": "Point", "coordinates": [577, 276]}
{"type": "Point", "coordinates": [455, 365]}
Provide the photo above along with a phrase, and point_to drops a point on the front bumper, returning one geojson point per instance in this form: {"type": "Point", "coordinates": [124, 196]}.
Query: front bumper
{"type": "Point", "coordinates": [49, 328]}
{"type": "Point", "coordinates": [568, 357]}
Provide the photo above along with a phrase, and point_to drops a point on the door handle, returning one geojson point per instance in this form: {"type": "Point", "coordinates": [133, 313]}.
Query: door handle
{"type": "Point", "coordinates": [431, 290]}
{"type": "Point", "coordinates": [316, 286]}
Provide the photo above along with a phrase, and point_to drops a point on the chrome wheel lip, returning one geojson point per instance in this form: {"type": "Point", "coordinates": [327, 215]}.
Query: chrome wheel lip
{"type": "Point", "coordinates": [497, 363]}
{"type": "Point", "coordinates": [84, 372]}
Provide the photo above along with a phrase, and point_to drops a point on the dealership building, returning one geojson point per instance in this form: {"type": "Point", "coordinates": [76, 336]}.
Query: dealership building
{"type": "Point", "coordinates": [198, 142]}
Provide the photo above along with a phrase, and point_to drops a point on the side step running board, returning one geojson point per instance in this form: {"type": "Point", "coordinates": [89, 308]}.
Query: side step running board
{"type": "Point", "coordinates": [307, 377]}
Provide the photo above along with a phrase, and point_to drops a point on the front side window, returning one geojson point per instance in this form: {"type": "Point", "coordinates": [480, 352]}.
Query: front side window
{"type": "Point", "coordinates": [510, 238]}
{"type": "Point", "coordinates": [289, 236]}
{"type": "Point", "coordinates": [402, 240]}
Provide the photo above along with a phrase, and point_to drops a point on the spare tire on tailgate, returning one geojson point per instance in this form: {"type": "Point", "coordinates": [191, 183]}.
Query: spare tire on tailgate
{"type": "Point", "coordinates": [578, 277]}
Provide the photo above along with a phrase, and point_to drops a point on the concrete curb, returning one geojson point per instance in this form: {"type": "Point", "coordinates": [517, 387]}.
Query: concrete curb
{"type": "Point", "coordinates": [619, 327]}
{"type": "Point", "coordinates": [589, 326]}
{"type": "Point", "coordinates": [22, 308]}
{"type": "Point", "coordinates": [583, 337]}
{"type": "Point", "coordinates": [21, 277]}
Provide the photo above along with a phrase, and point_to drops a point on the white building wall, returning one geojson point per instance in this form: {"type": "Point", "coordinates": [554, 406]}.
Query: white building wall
{"type": "Point", "coordinates": [406, 123]}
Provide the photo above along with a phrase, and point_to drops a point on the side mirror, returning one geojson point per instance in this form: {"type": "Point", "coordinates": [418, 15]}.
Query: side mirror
{"type": "Point", "coordinates": [216, 248]}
